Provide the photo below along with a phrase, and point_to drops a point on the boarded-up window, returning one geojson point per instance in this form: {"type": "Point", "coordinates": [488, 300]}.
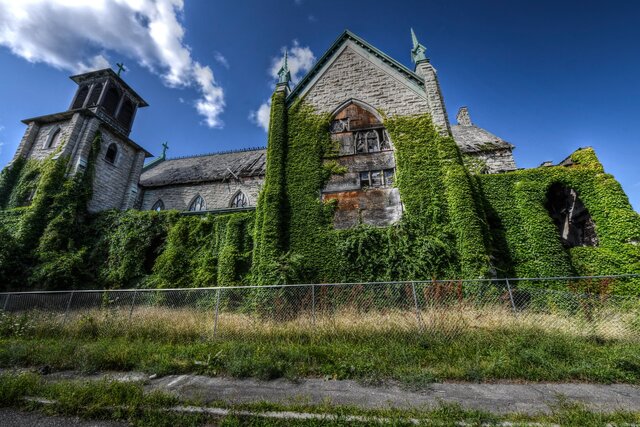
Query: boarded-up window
{"type": "Point", "coordinates": [358, 131]}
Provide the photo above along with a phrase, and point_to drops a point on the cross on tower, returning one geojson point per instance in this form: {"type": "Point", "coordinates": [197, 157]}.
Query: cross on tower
{"type": "Point", "coordinates": [165, 147]}
{"type": "Point", "coordinates": [120, 68]}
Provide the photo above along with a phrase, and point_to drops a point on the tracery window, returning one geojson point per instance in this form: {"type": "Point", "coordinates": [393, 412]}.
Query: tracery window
{"type": "Point", "coordinates": [112, 153]}
{"type": "Point", "coordinates": [239, 200]}
{"type": "Point", "coordinates": [197, 204]}
{"type": "Point", "coordinates": [358, 131]}
{"type": "Point", "coordinates": [158, 206]}
{"type": "Point", "coordinates": [377, 178]}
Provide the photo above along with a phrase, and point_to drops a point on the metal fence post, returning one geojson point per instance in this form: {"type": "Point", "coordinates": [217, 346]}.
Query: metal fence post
{"type": "Point", "coordinates": [215, 322]}
{"type": "Point", "coordinates": [6, 302]}
{"type": "Point", "coordinates": [133, 302]}
{"type": "Point", "coordinates": [313, 304]}
{"type": "Point", "coordinates": [66, 311]}
{"type": "Point", "coordinates": [415, 302]}
{"type": "Point", "coordinates": [513, 304]}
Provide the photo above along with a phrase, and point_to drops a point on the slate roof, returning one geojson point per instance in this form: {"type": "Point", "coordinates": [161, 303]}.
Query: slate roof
{"type": "Point", "coordinates": [472, 139]}
{"type": "Point", "coordinates": [206, 168]}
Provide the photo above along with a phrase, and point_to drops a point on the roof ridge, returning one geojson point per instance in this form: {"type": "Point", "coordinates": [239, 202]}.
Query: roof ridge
{"type": "Point", "coordinates": [237, 150]}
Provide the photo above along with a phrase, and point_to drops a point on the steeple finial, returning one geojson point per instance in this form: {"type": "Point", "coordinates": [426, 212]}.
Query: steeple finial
{"type": "Point", "coordinates": [284, 76]}
{"type": "Point", "coordinates": [418, 51]}
{"type": "Point", "coordinates": [165, 147]}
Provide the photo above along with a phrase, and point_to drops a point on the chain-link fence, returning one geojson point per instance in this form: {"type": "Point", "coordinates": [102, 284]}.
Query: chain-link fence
{"type": "Point", "coordinates": [587, 306]}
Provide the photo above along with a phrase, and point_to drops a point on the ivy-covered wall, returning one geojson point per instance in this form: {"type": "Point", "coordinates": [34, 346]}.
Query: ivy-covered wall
{"type": "Point", "coordinates": [54, 244]}
{"type": "Point", "coordinates": [526, 242]}
{"type": "Point", "coordinates": [455, 224]}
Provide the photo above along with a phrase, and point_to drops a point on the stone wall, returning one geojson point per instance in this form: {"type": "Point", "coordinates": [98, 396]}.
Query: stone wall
{"type": "Point", "coordinates": [496, 161]}
{"type": "Point", "coordinates": [217, 195]}
{"type": "Point", "coordinates": [356, 74]}
{"type": "Point", "coordinates": [111, 185]}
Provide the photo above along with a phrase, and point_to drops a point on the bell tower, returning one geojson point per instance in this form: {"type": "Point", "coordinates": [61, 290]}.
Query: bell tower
{"type": "Point", "coordinates": [103, 103]}
{"type": "Point", "coordinates": [109, 97]}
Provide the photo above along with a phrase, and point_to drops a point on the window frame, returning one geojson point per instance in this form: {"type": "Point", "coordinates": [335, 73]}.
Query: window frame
{"type": "Point", "coordinates": [235, 197]}
{"type": "Point", "coordinates": [115, 155]}
{"type": "Point", "coordinates": [384, 181]}
{"type": "Point", "coordinates": [203, 205]}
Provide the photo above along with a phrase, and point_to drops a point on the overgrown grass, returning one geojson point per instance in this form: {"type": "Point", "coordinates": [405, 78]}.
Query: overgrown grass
{"type": "Point", "coordinates": [128, 401]}
{"type": "Point", "coordinates": [467, 345]}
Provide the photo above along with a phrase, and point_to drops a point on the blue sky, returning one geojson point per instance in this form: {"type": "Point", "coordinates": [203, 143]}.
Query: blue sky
{"type": "Point", "coordinates": [547, 76]}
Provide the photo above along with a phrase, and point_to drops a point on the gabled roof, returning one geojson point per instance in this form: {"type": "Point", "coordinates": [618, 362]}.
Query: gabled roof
{"type": "Point", "coordinates": [222, 166]}
{"type": "Point", "coordinates": [472, 139]}
{"type": "Point", "coordinates": [342, 39]}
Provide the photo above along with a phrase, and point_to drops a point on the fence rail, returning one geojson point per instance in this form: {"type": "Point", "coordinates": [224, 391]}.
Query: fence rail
{"type": "Point", "coordinates": [594, 305]}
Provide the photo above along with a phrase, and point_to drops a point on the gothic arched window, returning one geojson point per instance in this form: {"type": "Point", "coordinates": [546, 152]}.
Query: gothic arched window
{"type": "Point", "coordinates": [111, 100]}
{"type": "Point", "coordinates": [125, 116]}
{"type": "Point", "coordinates": [158, 206]}
{"type": "Point", "coordinates": [197, 204]}
{"type": "Point", "coordinates": [358, 129]}
{"type": "Point", "coordinates": [80, 97]}
{"type": "Point", "coordinates": [239, 200]}
{"type": "Point", "coordinates": [112, 153]}
{"type": "Point", "coordinates": [53, 139]}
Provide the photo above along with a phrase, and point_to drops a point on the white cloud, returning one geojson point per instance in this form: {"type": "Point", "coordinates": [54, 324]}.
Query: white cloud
{"type": "Point", "coordinates": [1, 128]}
{"type": "Point", "coordinates": [312, 18]}
{"type": "Point", "coordinates": [300, 60]}
{"type": "Point", "coordinates": [261, 115]}
{"type": "Point", "coordinates": [1, 145]}
{"type": "Point", "coordinates": [221, 59]}
{"type": "Point", "coordinates": [78, 36]}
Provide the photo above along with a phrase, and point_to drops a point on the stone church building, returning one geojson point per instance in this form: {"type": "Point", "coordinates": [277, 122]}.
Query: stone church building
{"type": "Point", "coordinates": [353, 80]}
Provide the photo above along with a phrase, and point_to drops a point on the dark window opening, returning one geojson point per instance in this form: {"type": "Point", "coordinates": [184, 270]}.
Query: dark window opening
{"type": "Point", "coordinates": [571, 217]}
{"type": "Point", "coordinates": [111, 100]}
{"type": "Point", "coordinates": [158, 206]}
{"type": "Point", "coordinates": [112, 153]}
{"type": "Point", "coordinates": [54, 139]}
{"type": "Point", "coordinates": [80, 97]}
{"type": "Point", "coordinates": [95, 94]}
{"type": "Point", "coordinates": [126, 114]}
{"type": "Point", "coordinates": [378, 178]}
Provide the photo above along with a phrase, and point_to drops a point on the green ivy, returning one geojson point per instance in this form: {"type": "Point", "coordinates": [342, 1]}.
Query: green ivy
{"type": "Point", "coordinates": [527, 243]}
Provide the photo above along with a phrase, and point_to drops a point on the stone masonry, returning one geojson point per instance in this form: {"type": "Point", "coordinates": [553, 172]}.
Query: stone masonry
{"type": "Point", "coordinates": [216, 194]}
{"type": "Point", "coordinates": [355, 74]}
